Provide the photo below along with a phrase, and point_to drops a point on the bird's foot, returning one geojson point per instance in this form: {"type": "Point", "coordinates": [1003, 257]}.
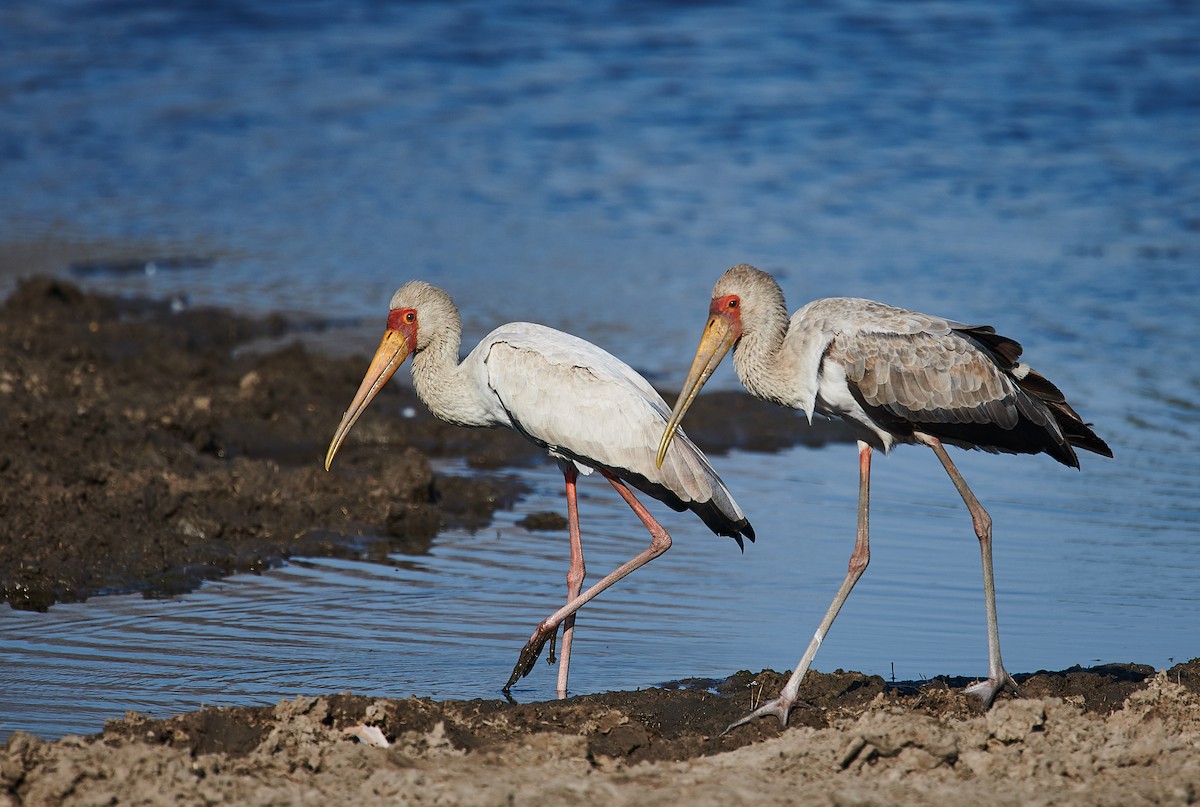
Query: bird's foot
{"type": "Point", "coordinates": [987, 689]}
{"type": "Point", "coordinates": [780, 708]}
{"type": "Point", "coordinates": [529, 656]}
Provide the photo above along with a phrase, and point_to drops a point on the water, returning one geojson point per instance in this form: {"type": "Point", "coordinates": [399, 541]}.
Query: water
{"type": "Point", "coordinates": [596, 168]}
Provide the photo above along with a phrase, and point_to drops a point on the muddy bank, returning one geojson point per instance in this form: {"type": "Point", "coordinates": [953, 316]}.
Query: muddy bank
{"type": "Point", "coordinates": [146, 448]}
{"type": "Point", "coordinates": [146, 451]}
{"type": "Point", "coordinates": [1119, 734]}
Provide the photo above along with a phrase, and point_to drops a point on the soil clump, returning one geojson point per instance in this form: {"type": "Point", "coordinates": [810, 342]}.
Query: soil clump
{"type": "Point", "coordinates": [149, 447]}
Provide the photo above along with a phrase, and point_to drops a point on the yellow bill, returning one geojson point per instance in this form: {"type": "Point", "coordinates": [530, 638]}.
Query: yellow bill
{"type": "Point", "coordinates": [719, 336]}
{"type": "Point", "coordinates": [392, 352]}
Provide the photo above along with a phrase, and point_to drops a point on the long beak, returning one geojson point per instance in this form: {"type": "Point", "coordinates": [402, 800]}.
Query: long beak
{"type": "Point", "coordinates": [719, 336]}
{"type": "Point", "coordinates": [392, 352]}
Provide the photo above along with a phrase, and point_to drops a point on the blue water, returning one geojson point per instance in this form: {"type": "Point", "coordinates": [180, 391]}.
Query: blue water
{"type": "Point", "coordinates": [1034, 166]}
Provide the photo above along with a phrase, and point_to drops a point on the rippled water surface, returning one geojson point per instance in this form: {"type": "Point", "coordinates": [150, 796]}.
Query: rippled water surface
{"type": "Point", "coordinates": [1030, 165]}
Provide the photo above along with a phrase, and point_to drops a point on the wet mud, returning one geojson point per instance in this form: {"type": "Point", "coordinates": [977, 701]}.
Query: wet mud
{"type": "Point", "coordinates": [147, 449]}
{"type": "Point", "coordinates": [1120, 734]}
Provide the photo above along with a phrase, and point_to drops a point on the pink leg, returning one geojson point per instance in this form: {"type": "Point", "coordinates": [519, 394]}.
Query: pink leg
{"type": "Point", "coordinates": [575, 576]}
{"type": "Point", "coordinates": [998, 678]}
{"type": "Point", "coordinates": [781, 707]}
{"type": "Point", "coordinates": [660, 542]}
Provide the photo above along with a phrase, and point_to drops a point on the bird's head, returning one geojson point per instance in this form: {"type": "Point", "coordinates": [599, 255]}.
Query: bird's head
{"type": "Point", "coordinates": [723, 330]}
{"type": "Point", "coordinates": [394, 348]}
{"type": "Point", "coordinates": [403, 336]}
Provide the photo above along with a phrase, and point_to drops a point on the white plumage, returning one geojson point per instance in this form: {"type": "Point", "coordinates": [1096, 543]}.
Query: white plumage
{"type": "Point", "coordinates": [587, 408]}
{"type": "Point", "coordinates": [583, 404]}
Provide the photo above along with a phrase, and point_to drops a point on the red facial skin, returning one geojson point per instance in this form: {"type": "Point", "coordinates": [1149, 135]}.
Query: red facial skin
{"type": "Point", "coordinates": [404, 322]}
{"type": "Point", "coordinates": [729, 308]}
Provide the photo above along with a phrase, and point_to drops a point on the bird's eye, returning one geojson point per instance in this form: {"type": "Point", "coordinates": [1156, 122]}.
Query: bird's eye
{"type": "Point", "coordinates": [410, 317]}
{"type": "Point", "coordinates": [733, 303]}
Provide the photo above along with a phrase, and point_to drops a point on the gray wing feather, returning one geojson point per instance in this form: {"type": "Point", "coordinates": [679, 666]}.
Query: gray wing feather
{"type": "Point", "coordinates": [923, 369]}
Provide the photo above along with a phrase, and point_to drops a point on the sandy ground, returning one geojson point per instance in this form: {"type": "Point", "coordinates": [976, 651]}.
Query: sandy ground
{"type": "Point", "coordinates": [148, 450]}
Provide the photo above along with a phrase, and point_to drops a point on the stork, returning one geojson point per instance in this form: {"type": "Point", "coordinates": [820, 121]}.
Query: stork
{"type": "Point", "coordinates": [896, 376]}
{"type": "Point", "coordinates": [589, 410]}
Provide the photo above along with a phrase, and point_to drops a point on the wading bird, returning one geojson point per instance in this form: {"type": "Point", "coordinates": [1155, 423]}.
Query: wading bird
{"type": "Point", "coordinates": [895, 376]}
{"type": "Point", "coordinates": [588, 409]}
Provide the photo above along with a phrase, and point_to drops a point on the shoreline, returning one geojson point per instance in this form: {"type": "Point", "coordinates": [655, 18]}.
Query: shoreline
{"type": "Point", "coordinates": [1113, 735]}
{"type": "Point", "coordinates": [168, 443]}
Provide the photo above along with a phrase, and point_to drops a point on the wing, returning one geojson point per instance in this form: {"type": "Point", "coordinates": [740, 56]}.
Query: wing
{"type": "Point", "coordinates": [928, 378]}
{"type": "Point", "coordinates": [854, 324]}
{"type": "Point", "coordinates": [958, 382]}
{"type": "Point", "coordinates": [584, 404]}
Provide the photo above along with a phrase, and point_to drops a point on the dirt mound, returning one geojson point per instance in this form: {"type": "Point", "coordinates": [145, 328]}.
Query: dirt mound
{"type": "Point", "coordinates": [1111, 735]}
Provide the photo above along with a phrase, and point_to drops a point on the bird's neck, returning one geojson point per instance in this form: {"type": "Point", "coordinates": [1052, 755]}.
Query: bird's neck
{"type": "Point", "coordinates": [757, 356]}
{"type": "Point", "coordinates": [441, 382]}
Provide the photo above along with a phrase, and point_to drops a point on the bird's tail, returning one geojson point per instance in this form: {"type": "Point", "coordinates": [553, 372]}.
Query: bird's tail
{"type": "Point", "coordinates": [1078, 433]}
{"type": "Point", "coordinates": [1007, 354]}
